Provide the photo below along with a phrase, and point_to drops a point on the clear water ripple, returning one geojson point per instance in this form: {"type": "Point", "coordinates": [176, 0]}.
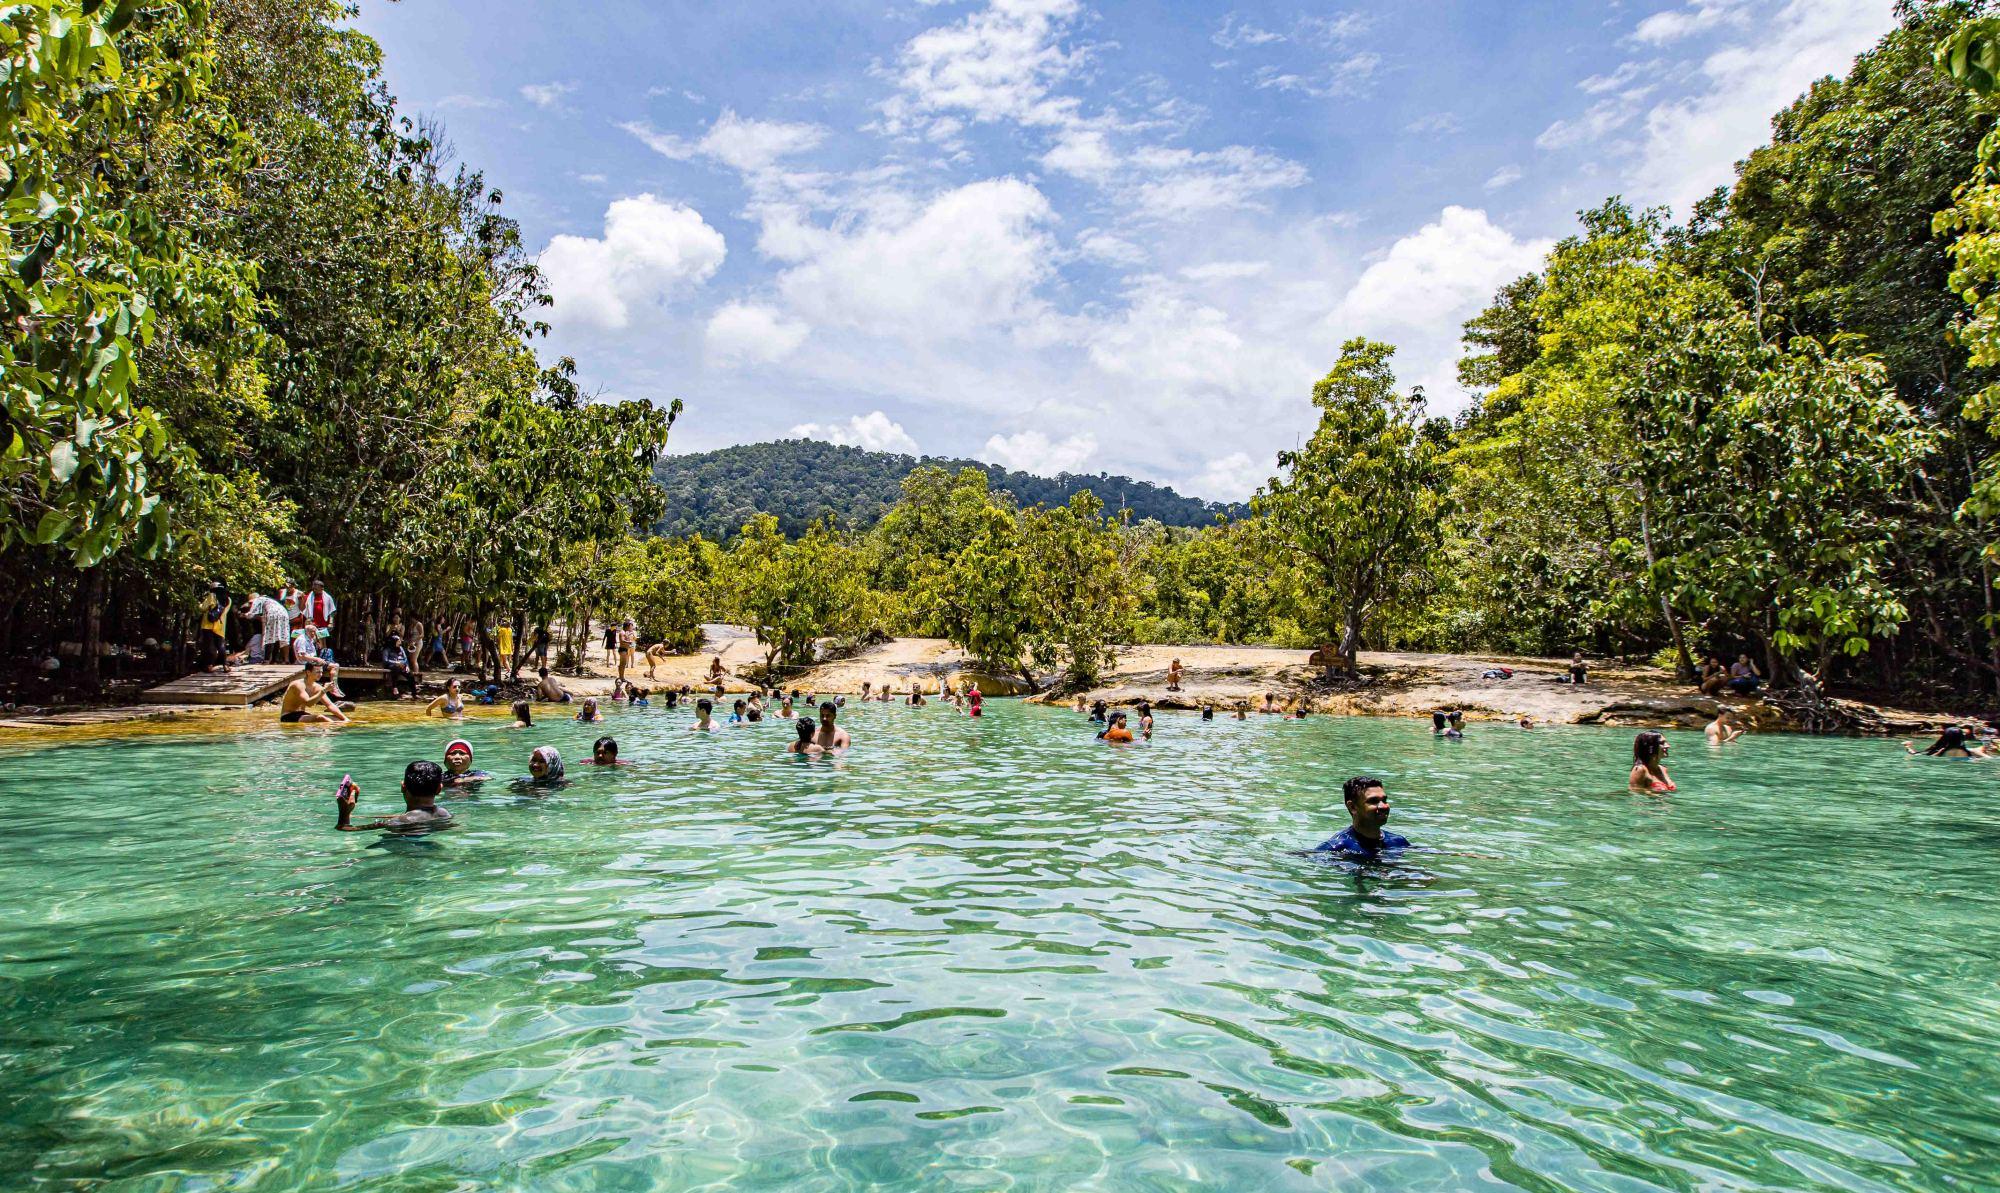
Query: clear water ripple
{"type": "Point", "coordinates": [995, 954]}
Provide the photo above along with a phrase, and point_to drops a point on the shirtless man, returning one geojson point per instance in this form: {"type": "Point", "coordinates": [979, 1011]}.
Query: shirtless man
{"type": "Point", "coordinates": [1723, 728]}
{"type": "Point", "coordinates": [546, 688]}
{"type": "Point", "coordinates": [303, 694]}
{"type": "Point", "coordinates": [422, 780]}
{"type": "Point", "coordinates": [1174, 676]}
{"type": "Point", "coordinates": [716, 671]}
{"type": "Point", "coordinates": [656, 654]}
{"type": "Point", "coordinates": [704, 714]}
{"type": "Point", "coordinates": [830, 735]}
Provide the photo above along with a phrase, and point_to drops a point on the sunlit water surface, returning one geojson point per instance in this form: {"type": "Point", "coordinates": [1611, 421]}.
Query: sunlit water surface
{"type": "Point", "coordinates": [994, 954]}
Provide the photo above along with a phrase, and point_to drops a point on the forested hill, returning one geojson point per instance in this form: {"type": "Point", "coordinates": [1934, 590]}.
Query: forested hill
{"type": "Point", "coordinates": [800, 480]}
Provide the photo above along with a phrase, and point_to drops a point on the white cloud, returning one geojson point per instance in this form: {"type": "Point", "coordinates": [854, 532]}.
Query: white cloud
{"type": "Point", "coordinates": [1439, 272]}
{"type": "Point", "coordinates": [1599, 121]}
{"type": "Point", "coordinates": [546, 95]}
{"type": "Point", "coordinates": [1032, 451]}
{"type": "Point", "coordinates": [969, 258]}
{"type": "Point", "coordinates": [1690, 145]}
{"type": "Point", "coordinates": [1437, 124]}
{"type": "Point", "coordinates": [1172, 183]}
{"type": "Point", "coordinates": [650, 249]}
{"type": "Point", "coordinates": [1083, 153]}
{"type": "Point", "coordinates": [752, 333]}
{"type": "Point", "coordinates": [468, 103]}
{"type": "Point", "coordinates": [1000, 63]}
{"type": "Point", "coordinates": [1504, 177]}
{"type": "Point", "coordinates": [1218, 271]}
{"type": "Point", "coordinates": [748, 146]}
{"type": "Point", "coordinates": [1233, 477]}
{"type": "Point", "coordinates": [1343, 77]}
{"type": "Point", "coordinates": [1235, 33]}
{"type": "Point", "coordinates": [1696, 16]}
{"type": "Point", "coordinates": [1099, 245]}
{"type": "Point", "coordinates": [873, 431]}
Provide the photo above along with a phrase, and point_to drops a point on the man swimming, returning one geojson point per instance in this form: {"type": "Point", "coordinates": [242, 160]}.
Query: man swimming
{"type": "Point", "coordinates": [1723, 728]}
{"type": "Point", "coordinates": [1367, 811]}
{"type": "Point", "coordinates": [704, 709]}
{"type": "Point", "coordinates": [422, 780]}
{"type": "Point", "coordinates": [1116, 730]}
{"type": "Point", "coordinates": [830, 735]}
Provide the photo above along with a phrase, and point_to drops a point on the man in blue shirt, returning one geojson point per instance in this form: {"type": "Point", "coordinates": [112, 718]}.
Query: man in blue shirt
{"type": "Point", "coordinates": [1368, 809]}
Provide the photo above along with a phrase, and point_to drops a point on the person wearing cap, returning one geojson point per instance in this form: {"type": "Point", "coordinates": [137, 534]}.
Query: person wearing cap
{"type": "Point", "coordinates": [422, 780]}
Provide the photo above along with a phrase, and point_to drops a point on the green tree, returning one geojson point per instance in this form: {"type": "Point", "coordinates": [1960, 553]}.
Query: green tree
{"type": "Point", "coordinates": [794, 593]}
{"type": "Point", "coordinates": [1361, 505]}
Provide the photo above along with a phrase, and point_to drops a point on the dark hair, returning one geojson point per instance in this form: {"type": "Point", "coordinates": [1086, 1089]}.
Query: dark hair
{"type": "Point", "coordinates": [1117, 717]}
{"type": "Point", "coordinates": [604, 743]}
{"type": "Point", "coordinates": [542, 671]}
{"type": "Point", "coordinates": [806, 728]}
{"type": "Point", "coordinates": [1953, 738]}
{"type": "Point", "coordinates": [1437, 720]}
{"type": "Point", "coordinates": [740, 705]}
{"type": "Point", "coordinates": [1145, 708]}
{"type": "Point", "coordinates": [1207, 713]}
{"type": "Point", "coordinates": [1646, 748]}
{"type": "Point", "coordinates": [1356, 787]}
{"type": "Point", "coordinates": [423, 778]}
{"type": "Point", "coordinates": [826, 706]}
{"type": "Point", "coordinates": [522, 711]}
{"type": "Point", "coordinates": [704, 705]}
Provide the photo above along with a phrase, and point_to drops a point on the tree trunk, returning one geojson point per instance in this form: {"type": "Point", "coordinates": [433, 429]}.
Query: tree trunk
{"type": "Point", "coordinates": [1683, 662]}
{"type": "Point", "coordinates": [1350, 641]}
{"type": "Point", "coordinates": [93, 626]}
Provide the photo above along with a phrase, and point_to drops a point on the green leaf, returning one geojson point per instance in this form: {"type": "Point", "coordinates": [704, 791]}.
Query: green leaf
{"type": "Point", "coordinates": [62, 461]}
{"type": "Point", "coordinates": [50, 528]}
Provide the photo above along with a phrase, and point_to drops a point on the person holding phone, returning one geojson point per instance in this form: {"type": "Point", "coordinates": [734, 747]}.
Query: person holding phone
{"type": "Point", "coordinates": [422, 780]}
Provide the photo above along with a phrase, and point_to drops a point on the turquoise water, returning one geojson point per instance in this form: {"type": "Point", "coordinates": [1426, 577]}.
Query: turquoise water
{"type": "Point", "coordinates": [993, 954]}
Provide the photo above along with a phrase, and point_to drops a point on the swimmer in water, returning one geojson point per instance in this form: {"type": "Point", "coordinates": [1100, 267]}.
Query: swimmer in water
{"type": "Point", "coordinates": [703, 711]}
{"type": "Point", "coordinates": [785, 709]}
{"type": "Point", "coordinates": [1116, 730]}
{"type": "Point", "coordinates": [1457, 720]}
{"type": "Point", "coordinates": [736, 712]}
{"type": "Point", "coordinates": [545, 767]}
{"type": "Point", "coordinates": [524, 716]}
{"type": "Point", "coordinates": [1441, 726]}
{"type": "Point", "coordinates": [588, 714]}
{"type": "Point", "coordinates": [830, 735]}
{"type": "Point", "coordinates": [975, 704]}
{"type": "Point", "coordinates": [604, 752]}
{"type": "Point", "coordinates": [1146, 720]}
{"type": "Point", "coordinates": [1649, 765]}
{"type": "Point", "coordinates": [422, 780]}
{"type": "Point", "coordinates": [1270, 704]}
{"type": "Point", "coordinates": [1525, 722]}
{"type": "Point", "coordinates": [458, 770]}
{"type": "Point", "coordinates": [1367, 812]}
{"type": "Point", "coordinates": [1207, 711]}
{"type": "Point", "coordinates": [451, 704]}
{"type": "Point", "coordinates": [1097, 712]}
{"type": "Point", "coordinates": [1952, 743]}
{"type": "Point", "coordinates": [804, 743]}
{"type": "Point", "coordinates": [1242, 711]}
{"type": "Point", "coordinates": [867, 686]}
{"type": "Point", "coordinates": [1723, 728]}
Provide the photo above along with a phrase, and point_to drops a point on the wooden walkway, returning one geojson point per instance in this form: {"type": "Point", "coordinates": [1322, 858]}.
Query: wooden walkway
{"type": "Point", "coordinates": [239, 686]}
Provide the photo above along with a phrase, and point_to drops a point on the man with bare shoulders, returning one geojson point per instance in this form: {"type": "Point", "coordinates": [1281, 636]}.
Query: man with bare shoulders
{"type": "Point", "coordinates": [830, 735]}
{"type": "Point", "coordinates": [304, 697]}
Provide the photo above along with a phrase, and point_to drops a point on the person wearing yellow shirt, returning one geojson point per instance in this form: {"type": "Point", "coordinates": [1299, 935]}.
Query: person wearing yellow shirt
{"type": "Point", "coordinates": [503, 641]}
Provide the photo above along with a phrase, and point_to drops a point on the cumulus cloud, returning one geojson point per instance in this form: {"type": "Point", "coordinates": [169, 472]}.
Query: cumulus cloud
{"type": "Point", "coordinates": [650, 250]}
{"type": "Point", "coordinates": [546, 95]}
{"type": "Point", "coordinates": [1000, 63]}
{"type": "Point", "coordinates": [873, 431]}
{"type": "Point", "coordinates": [1435, 274]}
{"type": "Point", "coordinates": [752, 333]}
{"type": "Point", "coordinates": [1032, 451]}
{"type": "Point", "coordinates": [969, 258]}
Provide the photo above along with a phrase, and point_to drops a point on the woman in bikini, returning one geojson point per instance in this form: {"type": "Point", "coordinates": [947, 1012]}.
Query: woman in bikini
{"type": "Point", "coordinates": [1649, 765]}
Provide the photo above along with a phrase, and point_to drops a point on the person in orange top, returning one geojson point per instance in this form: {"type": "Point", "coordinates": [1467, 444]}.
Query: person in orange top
{"type": "Point", "coordinates": [1116, 730]}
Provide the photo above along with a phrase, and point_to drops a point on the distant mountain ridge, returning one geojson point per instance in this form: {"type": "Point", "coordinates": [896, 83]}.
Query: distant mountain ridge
{"type": "Point", "coordinates": [800, 480]}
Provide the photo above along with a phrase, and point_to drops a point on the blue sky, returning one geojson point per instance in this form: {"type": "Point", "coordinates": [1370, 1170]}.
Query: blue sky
{"type": "Point", "coordinates": [1062, 235]}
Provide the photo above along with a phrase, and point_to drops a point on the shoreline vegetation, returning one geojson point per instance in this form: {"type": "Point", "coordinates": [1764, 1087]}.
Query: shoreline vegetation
{"type": "Point", "coordinates": [1756, 447]}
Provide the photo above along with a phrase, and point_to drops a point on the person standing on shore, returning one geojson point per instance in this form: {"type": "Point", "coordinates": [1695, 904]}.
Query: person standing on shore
{"type": "Point", "coordinates": [212, 639]}
{"type": "Point", "coordinates": [503, 647]}
{"type": "Point", "coordinates": [628, 640]}
{"type": "Point", "coordinates": [319, 607]}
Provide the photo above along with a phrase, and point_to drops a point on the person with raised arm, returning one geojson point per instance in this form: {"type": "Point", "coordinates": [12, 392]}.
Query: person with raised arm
{"type": "Point", "coordinates": [422, 780]}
